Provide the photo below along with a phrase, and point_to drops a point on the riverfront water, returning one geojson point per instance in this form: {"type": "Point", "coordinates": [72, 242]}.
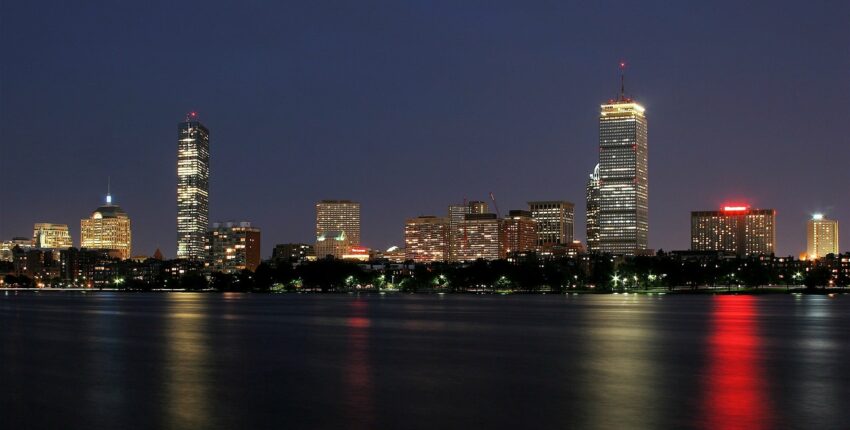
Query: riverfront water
{"type": "Point", "coordinates": [190, 360]}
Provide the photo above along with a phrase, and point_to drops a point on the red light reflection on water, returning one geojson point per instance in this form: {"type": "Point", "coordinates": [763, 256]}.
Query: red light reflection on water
{"type": "Point", "coordinates": [735, 393]}
{"type": "Point", "coordinates": [358, 372]}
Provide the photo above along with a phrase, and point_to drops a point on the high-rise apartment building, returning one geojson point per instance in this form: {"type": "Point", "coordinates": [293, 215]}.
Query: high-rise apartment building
{"type": "Point", "coordinates": [821, 237]}
{"type": "Point", "coordinates": [426, 239]}
{"type": "Point", "coordinates": [554, 220]}
{"type": "Point", "coordinates": [47, 235]}
{"type": "Point", "coordinates": [623, 177]}
{"type": "Point", "coordinates": [518, 233]}
{"type": "Point", "coordinates": [233, 247]}
{"type": "Point", "coordinates": [737, 229]}
{"type": "Point", "coordinates": [477, 236]}
{"type": "Point", "coordinates": [592, 211]}
{"type": "Point", "coordinates": [108, 228]}
{"type": "Point", "coordinates": [193, 176]}
{"type": "Point", "coordinates": [457, 213]}
{"type": "Point", "coordinates": [335, 216]}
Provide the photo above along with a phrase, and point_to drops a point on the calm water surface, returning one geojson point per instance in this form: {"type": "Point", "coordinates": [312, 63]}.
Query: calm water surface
{"type": "Point", "coordinates": [186, 360]}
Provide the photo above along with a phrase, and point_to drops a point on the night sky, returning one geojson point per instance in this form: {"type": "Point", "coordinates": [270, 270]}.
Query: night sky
{"type": "Point", "coordinates": [409, 106]}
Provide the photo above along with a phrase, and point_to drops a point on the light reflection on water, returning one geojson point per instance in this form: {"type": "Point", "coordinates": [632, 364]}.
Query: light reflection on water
{"type": "Point", "coordinates": [186, 363]}
{"type": "Point", "coordinates": [736, 388]}
{"type": "Point", "coordinates": [358, 373]}
{"type": "Point", "coordinates": [298, 361]}
{"type": "Point", "coordinates": [619, 359]}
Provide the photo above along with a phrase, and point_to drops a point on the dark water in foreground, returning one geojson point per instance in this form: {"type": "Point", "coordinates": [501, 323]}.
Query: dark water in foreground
{"type": "Point", "coordinates": [186, 360]}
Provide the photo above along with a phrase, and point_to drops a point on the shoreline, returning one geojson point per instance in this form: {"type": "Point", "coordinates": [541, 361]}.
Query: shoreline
{"type": "Point", "coordinates": [683, 292]}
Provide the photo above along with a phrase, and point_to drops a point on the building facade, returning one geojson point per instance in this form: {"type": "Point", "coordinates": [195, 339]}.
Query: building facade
{"type": "Point", "coordinates": [623, 178]}
{"type": "Point", "coordinates": [333, 244]}
{"type": "Point", "coordinates": [518, 233]}
{"type": "Point", "coordinates": [40, 264]}
{"type": "Point", "coordinates": [554, 220]}
{"type": "Point", "coordinates": [477, 236]}
{"type": "Point", "coordinates": [457, 213]}
{"type": "Point", "coordinates": [737, 229]}
{"type": "Point", "coordinates": [47, 235]}
{"type": "Point", "coordinates": [821, 237]}
{"type": "Point", "coordinates": [292, 252]}
{"type": "Point", "coordinates": [426, 239]}
{"type": "Point", "coordinates": [6, 247]}
{"type": "Point", "coordinates": [335, 216]}
{"type": "Point", "coordinates": [193, 175]}
{"type": "Point", "coordinates": [108, 228]}
{"type": "Point", "coordinates": [233, 247]}
{"type": "Point", "coordinates": [592, 211]}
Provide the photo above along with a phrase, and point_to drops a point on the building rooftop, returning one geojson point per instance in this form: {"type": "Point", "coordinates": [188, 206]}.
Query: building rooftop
{"type": "Point", "coordinates": [110, 211]}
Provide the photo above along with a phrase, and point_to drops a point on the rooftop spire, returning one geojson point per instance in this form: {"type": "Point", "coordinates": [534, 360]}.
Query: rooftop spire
{"type": "Point", "coordinates": [108, 193]}
{"type": "Point", "coordinates": [622, 80]}
{"type": "Point", "coordinates": [191, 116]}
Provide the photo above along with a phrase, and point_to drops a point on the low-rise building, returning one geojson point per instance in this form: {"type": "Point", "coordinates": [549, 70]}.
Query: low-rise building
{"type": "Point", "coordinates": [292, 252]}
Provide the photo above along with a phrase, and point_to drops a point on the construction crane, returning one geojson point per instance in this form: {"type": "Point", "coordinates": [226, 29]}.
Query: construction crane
{"type": "Point", "coordinates": [495, 206]}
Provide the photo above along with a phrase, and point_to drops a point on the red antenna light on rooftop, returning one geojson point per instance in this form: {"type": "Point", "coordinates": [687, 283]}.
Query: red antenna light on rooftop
{"type": "Point", "coordinates": [622, 80]}
{"type": "Point", "coordinates": [735, 208]}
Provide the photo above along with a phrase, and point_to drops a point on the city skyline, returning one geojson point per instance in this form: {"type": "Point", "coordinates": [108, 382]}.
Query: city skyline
{"type": "Point", "coordinates": [548, 112]}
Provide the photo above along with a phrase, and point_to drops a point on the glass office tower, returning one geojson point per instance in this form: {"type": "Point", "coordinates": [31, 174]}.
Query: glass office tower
{"type": "Point", "coordinates": [623, 178]}
{"type": "Point", "coordinates": [193, 176]}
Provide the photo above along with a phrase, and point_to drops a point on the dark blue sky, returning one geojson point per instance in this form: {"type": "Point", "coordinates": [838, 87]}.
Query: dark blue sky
{"type": "Point", "coordinates": [409, 106]}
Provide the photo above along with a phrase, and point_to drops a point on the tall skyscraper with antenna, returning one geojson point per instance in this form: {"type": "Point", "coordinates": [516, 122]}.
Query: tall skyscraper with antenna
{"type": "Point", "coordinates": [623, 215]}
{"type": "Point", "coordinates": [193, 176]}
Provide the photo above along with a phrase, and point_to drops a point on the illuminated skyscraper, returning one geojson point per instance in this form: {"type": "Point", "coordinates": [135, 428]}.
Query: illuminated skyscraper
{"type": "Point", "coordinates": [108, 228]}
{"type": "Point", "coordinates": [233, 247]}
{"type": "Point", "coordinates": [822, 237]}
{"type": "Point", "coordinates": [334, 217]}
{"type": "Point", "coordinates": [193, 176]}
{"type": "Point", "coordinates": [426, 239]}
{"type": "Point", "coordinates": [737, 229]}
{"type": "Point", "coordinates": [47, 235]}
{"type": "Point", "coordinates": [554, 221]}
{"type": "Point", "coordinates": [623, 177]}
{"type": "Point", "coordinates": [592, 214]}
